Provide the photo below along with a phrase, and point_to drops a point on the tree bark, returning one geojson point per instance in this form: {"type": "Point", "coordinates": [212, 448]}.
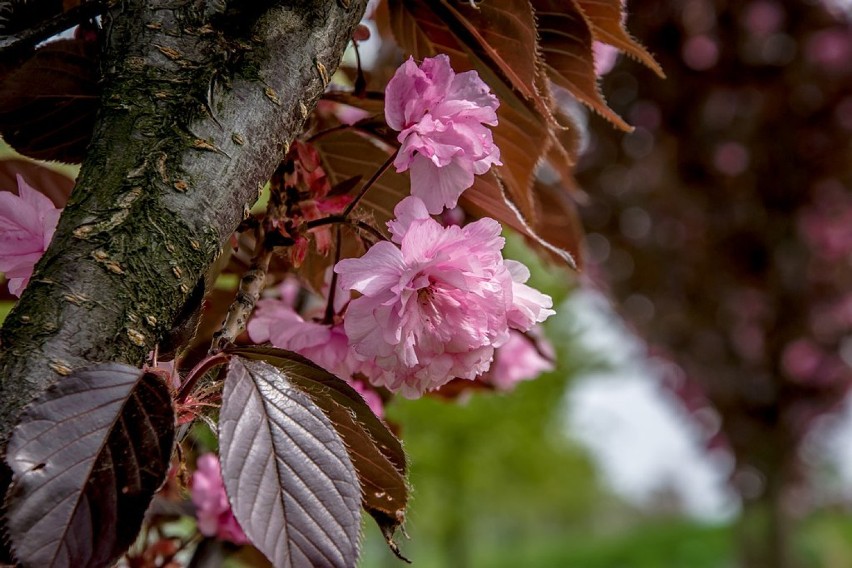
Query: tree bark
{"type": "Point", "coordinates": [200, 103]}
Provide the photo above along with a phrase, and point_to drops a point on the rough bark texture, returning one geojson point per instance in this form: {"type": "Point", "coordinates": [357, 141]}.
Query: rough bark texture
{"type": "Point", "coordinates": [200, 102]}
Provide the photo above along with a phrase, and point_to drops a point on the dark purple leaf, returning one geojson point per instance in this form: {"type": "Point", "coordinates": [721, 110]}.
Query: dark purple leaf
{"type": "Point", "coordinates": [375, 452]}
{"type": "Point", "coordinates": [288, 474]}
{"type": "Point", "coordinates": [87, 457]}
{"type": "Point", "coordinates": [565, 40]}
{"type": "Point", "coordinates": [48, 105]}
{"type": "Point", "coordinates": [347, 154]}
{"type": "Point", "coordinates": [606, 20]}
{"type": "Point", "coordinates": [310, 377]}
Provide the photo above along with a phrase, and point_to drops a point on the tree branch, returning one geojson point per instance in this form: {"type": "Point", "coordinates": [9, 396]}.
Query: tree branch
{"type": "Point", "coordinates": [196, 114]}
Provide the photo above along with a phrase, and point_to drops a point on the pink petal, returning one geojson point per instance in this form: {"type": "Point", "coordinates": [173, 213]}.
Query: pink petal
{"type": "Point", "coordinates": [379, 269]}
{"type": "Point", "coordinates": [517, 360]}
{"type": "Point", "coordinates": [408, 211]}
{"type": "Point", "coordinates": [468, 97]}
{"type": "Point", "coordinates": [27, 224]}
{"type": "Point", "coordinates": [439, 187]}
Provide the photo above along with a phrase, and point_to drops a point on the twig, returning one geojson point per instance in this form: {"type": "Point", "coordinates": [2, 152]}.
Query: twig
{"type": "Point", "coordinates": [329, 307]}
{"type": "Point", "coordinates": [316, 136]}
{"type": "Point", "coordinates": [251, 285]}
{"type": "Point", "coordinates": [341, 220]}
{"type": "Point", "coordinates": [370, 183]}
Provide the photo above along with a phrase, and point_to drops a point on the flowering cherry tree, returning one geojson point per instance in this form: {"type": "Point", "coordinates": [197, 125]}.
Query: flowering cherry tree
{"type": "Point", "coordinates": [355, 281]}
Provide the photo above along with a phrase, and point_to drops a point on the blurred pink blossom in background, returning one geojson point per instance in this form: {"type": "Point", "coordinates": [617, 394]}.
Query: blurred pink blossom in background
{"type": "Point", "coordinates": [213, 510]}
{"type": "Point", "coordinates": [606, 56]}
{"type": "Point", "coordinates": [827, 223]}
{"type": "Point", "coordinates": [520, 360]}
{"type": "Point", "coordinates": [371, 397]}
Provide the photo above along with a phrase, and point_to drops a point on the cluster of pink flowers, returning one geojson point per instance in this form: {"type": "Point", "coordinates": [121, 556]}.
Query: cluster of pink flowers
{"type": "Point", "coordinates": [212, 508]}
{"type": "Point", "coordinates": [27, 223]}
{"type": "Point", "coordinates": [439, 300]}
{"type": "Point", "coordinates": [436, 301]}
{"type": "Point", "coordinates": [441, 117]}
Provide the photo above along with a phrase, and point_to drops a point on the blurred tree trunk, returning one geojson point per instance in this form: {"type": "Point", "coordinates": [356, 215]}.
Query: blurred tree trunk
{"type": "Point", "coordinates": [766, 530]}
{"type": "Point", "coordinates": [715, 225]}
{"type": "Point", "coordinates": [454, 535]}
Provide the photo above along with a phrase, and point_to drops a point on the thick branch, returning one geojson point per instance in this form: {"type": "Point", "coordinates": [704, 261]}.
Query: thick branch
{"type": "Point", "coordinates": [196, 114]}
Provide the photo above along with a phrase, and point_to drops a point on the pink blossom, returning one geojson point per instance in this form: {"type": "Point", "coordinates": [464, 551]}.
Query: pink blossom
{"type": "Point", "coordinates": [519, 360]}
{"type": "Point", "coordinates": [763, 18]}
{"type": "Point", "coordinates": [212, 507]}
{"type": "Point", "coordinates": [801, 359]}
{"type": "Point", "coordinates": [529, 306]}
{"type": "Point", "coordinates": [371, 397]}
{"type": "Point", "coordinates": [437, 301]}
{"type": "Point", "coordinates": [605, 56]}
{"type": "Point", "coordinates": [275, 321]}
{"type": "Point", "coordinates": [827, 224]}
{"type": "Point", "coordinates": [441, 117]}
{"type": "Point", "coordinates": [700, 52]}
{"type": "Point", "coordinates": [326, 345]}
{"type": "Point", "coordinates": [27, 223]}
{"type": "Point", "coordinates": [830, 49]}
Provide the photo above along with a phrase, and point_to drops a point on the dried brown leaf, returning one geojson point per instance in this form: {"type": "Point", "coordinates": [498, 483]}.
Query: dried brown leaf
{"type": "Point", "coordinates": [48, 105]}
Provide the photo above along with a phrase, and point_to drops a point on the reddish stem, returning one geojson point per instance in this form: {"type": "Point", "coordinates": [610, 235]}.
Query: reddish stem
{"type": "Point", "coordinates": [199, 371]}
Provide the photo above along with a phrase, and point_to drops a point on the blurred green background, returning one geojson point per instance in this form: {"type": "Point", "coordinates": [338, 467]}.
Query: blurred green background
{"type": "Point", "coordinates": [499, 481]}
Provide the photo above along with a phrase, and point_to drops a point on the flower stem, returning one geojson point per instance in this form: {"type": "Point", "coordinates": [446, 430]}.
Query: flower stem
{"type": "Point", "coordinates": [328, 318]}
{"type": "Point", "coordinates": [341, 220]}
{"type": "Point", "coordinates": [382, 169]}
{"type": "Point", "coordinates": [197, 372]}
{"type": "Point", "coordinates": [327, 131]}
